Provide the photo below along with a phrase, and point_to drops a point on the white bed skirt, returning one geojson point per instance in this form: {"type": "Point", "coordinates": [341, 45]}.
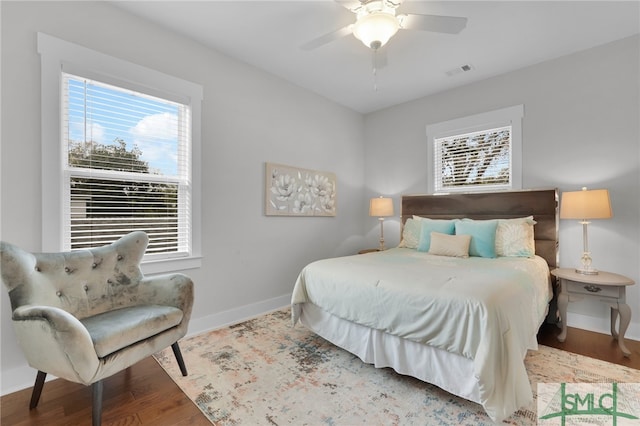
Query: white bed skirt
{"type": "Point", "coordinates": [450, 372]}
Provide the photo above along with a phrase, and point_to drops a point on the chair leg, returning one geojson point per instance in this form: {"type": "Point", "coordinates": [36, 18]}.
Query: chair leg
{"type": "Point", "coordinates": [37, 389]}
{"type": "Point", "coordinates": [178, 354]}
{"type": "Point", "coordinates": [96, 415]}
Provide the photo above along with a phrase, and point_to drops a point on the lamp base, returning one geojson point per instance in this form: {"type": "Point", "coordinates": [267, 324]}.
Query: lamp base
{"type": "Point", "coordinates": [586, 269]}
{"type": "Point", "coordinates": [589, 271]}
{"type": "Point", "coordinates": [381, 247]}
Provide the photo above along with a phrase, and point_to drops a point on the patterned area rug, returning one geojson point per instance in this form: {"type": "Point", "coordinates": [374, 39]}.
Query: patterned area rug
{"type": "Point", "coordinates": [266, 372]}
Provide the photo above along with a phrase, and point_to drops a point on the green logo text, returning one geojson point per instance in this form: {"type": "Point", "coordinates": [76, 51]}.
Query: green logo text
{"type": "Point", "coordinates": [587, 404]}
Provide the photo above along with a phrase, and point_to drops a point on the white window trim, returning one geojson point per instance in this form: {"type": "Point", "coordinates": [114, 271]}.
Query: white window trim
{"type": "Point", "coordinates": [56, 54]}
{"type": "Point", "coordinates": [502, 117]}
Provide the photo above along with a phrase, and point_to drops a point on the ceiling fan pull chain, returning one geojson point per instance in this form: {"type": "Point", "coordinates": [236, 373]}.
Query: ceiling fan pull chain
{"type": "Point", "coordinates": [375, 71]}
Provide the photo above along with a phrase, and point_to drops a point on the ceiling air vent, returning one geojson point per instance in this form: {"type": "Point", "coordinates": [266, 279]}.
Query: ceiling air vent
{"type": "Point", "coordinates": [460, 69]}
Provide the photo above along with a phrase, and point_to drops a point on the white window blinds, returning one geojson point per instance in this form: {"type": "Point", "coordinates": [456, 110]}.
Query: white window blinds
{"type": "Point", "coordinates": [127, 158]}
{"type": "Point", "coordinates": [478, 160]}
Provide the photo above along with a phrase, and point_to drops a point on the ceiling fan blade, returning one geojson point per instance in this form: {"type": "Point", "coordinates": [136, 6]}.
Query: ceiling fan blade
{"type": "Point", "coordinates": [435, 23]}
{"type": "Point", "coordinates": [352, 5]}
{"type": "Point", "coordinates": [327, 38]}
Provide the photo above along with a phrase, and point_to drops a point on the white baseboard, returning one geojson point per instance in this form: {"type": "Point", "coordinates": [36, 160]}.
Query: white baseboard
{"type": "Point", "coordinates": [600, 325]}
{"type": "Point", "coordinates": [20, 378]}
{"type": "Point", "coordinates": [236, 315]}
{"type": "Point", "coordinates": [24, 377]}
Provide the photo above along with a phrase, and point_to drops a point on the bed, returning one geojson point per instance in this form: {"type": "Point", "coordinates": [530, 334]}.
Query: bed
{"type": "Point", "coordinates": [463, 324]}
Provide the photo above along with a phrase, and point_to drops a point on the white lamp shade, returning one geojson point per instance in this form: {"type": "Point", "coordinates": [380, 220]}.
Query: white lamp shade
{"type": "Point", "coordinates": [376, 28]}
{"type": "Point", "coordinates": [381, 207]}
{"type": "Point", "coordinates": [586, 204]}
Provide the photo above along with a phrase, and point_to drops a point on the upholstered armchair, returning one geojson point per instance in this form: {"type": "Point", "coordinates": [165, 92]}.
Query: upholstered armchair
{"type": "Point", "coordinates": [85, 315]}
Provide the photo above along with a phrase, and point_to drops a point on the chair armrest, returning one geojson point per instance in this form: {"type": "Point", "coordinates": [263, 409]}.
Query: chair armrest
{"type": "Point", "coordinates": [56, 342]}
{"type": "Point", "coordinates": [170, 290]}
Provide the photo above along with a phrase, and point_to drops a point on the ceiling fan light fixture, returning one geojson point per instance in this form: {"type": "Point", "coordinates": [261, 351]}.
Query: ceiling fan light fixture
{"type": "Point", "coordinates": [375, 29]}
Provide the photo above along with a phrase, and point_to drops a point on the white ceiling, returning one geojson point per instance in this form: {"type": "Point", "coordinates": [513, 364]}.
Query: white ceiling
{"type": "Point", "coordinates": [500, 36]}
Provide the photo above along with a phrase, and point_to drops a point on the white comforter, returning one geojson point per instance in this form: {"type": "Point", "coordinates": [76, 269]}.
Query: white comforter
{"type": "Point", "coordinates": [487, 310]}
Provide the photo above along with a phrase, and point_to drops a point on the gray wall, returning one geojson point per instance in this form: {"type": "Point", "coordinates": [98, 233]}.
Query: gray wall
{"type": "Point", "coordinates": [580, 128]}
{"type": "Point", "coordinates": [249, 117]}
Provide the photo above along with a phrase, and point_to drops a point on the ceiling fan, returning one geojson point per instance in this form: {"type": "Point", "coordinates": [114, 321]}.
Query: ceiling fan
{"type": "Point", "coordinates": [377, 21]}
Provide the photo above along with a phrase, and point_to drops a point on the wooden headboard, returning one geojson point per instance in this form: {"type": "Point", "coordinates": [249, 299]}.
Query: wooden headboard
{"type": "Point", "coordinates": [542, 204]}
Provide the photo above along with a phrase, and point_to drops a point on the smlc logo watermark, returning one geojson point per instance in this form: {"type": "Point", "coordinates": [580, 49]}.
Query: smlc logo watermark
{"type": "Point", "coordinates": [588, 404]}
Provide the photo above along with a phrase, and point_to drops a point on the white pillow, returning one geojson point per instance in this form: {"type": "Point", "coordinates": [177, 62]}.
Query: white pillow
{"type": "Point", "coordinates": [449, 245]}
{"type": "Point", "coordinates": [410, 234]}
{"type": "Point", "coordinates": [514, 237]}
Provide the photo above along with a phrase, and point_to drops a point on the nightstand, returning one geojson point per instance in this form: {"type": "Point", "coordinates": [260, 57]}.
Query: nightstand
{"type": "Point", "coordinates": [605, 287]}
{"type": "Point", "coordinates": [368, 251]}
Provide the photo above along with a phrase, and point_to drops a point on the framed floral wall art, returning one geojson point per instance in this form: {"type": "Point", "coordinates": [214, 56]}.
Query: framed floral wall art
{"type": "Point", "coordinates": [292, 191]}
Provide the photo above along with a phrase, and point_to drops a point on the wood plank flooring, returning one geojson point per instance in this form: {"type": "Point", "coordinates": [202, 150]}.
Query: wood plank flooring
{"type": "Point", "coordinates": [145, 395]}
{"type": "Point", "coordinates": [141, 395]}
{"type": "Point", "coordinates": [594, 345]}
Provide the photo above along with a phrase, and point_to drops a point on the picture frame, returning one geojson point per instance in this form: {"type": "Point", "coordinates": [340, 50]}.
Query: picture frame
{"type": "Point", "coordinates": [294, 191]}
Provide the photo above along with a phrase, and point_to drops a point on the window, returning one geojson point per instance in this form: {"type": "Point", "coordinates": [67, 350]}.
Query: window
{"type": "Point", "coordinates": [473, 160]}
{"type": "Point", "coordinates": [127, 167]}
{"type": "Point", "coordinates": [477, 153]}
{"type": "Point", "coordinates": [125, 156]}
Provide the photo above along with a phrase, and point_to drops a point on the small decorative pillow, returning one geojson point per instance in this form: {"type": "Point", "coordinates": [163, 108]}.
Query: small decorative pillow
{"type": "Point", "coordinates": [449, 245]}
{"type": "Point", "coordinates": [514, 237]}
{"type": "Point", "coordinates": [410, 234]}
{"type": "Point", "coordinates": [433, 225]}
{"type": "Point", "coordinates": [483, 236]}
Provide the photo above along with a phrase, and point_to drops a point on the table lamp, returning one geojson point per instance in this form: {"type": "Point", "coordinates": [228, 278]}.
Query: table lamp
{"type": "Point", "coordinates": [381, 207]}
{"type": "Point", "coordinates": [585, 205]}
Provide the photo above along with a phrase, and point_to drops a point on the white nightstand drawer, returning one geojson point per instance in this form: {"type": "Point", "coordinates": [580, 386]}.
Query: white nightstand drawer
{"type": "Point", "coordinates": [593, 289]}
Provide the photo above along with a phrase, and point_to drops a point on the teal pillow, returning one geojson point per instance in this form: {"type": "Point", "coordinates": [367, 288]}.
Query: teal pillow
{"type": "Point", "coordinates": [483, 236]}
{"type": "Point", "coordinates": [433, 225]}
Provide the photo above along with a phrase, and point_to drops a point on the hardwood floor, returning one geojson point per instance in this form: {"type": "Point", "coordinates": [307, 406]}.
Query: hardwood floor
{"type": "Point", "coordinates": [141, 395]}
{"type": "Point", "coordinates": [145, 395]}
{"type": "Point", "coordinates": [594, 345]}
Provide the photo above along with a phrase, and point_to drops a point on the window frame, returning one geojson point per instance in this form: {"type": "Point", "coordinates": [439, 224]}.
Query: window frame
{"type": "Point", "coordinates": [57, 56]}
{"type": "Point", "coordinates": [509, 116]}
